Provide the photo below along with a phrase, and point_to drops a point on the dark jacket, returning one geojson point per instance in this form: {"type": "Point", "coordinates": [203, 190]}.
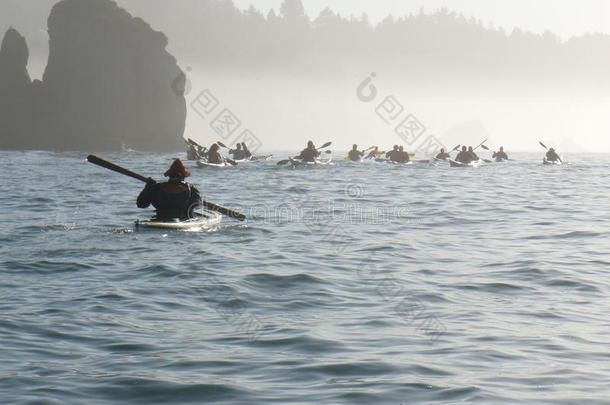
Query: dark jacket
{"type": "Point", "coordinates": [171, 200]}
{"type": "Point", "coordinates": [309, 155]}
{"type": "Point", "coordinates": [355, 155]}
{"type": "Point", "coordinates": [238, 154]}
{"type": "Point", "coordinates": [552, 156]}
{"type": "Point", "coordinates": [501, 155]}
{"type": "Point", "coordinates": [464, 157]}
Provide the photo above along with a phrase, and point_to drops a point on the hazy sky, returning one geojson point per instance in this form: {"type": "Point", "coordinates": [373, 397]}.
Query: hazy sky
{"type": "Point", "coordinates": [565, 18]}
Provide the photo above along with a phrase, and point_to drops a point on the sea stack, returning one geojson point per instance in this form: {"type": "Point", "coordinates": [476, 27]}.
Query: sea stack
{"type": "Point", "coordinates": [109, 83]}
{"type": "Point", "coordinates": [15, 89]}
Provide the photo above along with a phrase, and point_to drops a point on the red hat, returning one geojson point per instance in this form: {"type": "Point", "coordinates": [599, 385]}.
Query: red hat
{"type": "Point", "coordinates": [177, 169]}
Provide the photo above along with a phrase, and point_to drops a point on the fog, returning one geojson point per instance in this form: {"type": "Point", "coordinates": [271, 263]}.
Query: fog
{"type": "Point", "coordinates": [294, 75]}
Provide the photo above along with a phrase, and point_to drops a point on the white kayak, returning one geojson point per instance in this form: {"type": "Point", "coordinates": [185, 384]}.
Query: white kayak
{"type": "Point", "coordinates": [551, 162]}
{"type": "Point", "coordinates": [203, 163]}
{"type": "Point", "coordinates": [205, 220]}
{"type": "Point", "coordinates": [318, 162]}
{"type": "Point", "coordinates": [454, 163]}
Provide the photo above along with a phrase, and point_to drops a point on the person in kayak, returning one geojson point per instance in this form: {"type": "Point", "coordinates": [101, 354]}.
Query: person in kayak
{"type": "Point", "coordinates": [394, 154]}
{"type": "Point", "coordinates": [247, 154]}
{"type": "Point", "coordinates": [238, 153]}
{"type": "Point", "coordinates": [403, 156]}
{"type": "Point", "coordinates": [214, 155]}
{"type": "Point", "coordinates": [192, 153]}
{"type": "Point", "coordinates": [442, 155]}
{"type": "Point", "coordinates": [310, 153]}
{"type": "Point", "coordinates": [173, 199]}
{"type": "Point", "coordinates": [473, 155]}
{"type": "Point", "coordinates": [354, 154]}
{"type": "Point", "coordinates": [464, 156]}
{"type": "Point", "coordinates": [552, 156]}
{"type": "Point", "coordinates": [500, 155]}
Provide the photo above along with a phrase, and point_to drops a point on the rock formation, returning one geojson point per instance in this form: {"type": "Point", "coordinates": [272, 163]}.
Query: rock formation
{"type": "Point", "coordinates": [109, 82]}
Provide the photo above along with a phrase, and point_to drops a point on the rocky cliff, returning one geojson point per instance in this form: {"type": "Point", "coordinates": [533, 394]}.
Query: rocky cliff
{"type": "Point", "coordinates": [108, 83]}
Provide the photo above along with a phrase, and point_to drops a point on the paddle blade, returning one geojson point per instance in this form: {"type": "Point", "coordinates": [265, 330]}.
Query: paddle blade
{"type": "Point", "coordinates": [222, 144]}
{"type": "Point", "coordinates": [283, 162]}
{"type": "Point", "coordinates": [543, 145]}
{"type": "Point", "coordinates": [484, 147]}
{"type": "Point", "coordinates": [231, 161]}
{"type": "Point", "coordinates": [456, 148]}
{"type": "Point", "coordinates": [326, 145]}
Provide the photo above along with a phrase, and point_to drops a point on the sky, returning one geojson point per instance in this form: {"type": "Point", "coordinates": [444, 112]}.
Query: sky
{"type": "Point", "coordinates": [565, 18]}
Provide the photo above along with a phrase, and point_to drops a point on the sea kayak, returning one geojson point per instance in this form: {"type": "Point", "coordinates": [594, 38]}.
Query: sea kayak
{"type": "Point", "coordinates": [205, 220]}
{"type": "Point", "coordinates": [476, 163]}
{"type": "Point", "coordinates": [318, 162]}
{"type": "Point", "coordinates": [551, 162]}
{"type": "Point", "coordinates": [380, 160]}
{"type": "Point", "coordinates": [203, 163]}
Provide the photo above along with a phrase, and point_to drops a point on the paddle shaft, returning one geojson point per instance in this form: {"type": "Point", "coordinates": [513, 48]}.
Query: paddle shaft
{"type": "Point", "coordinates": [111, 166]}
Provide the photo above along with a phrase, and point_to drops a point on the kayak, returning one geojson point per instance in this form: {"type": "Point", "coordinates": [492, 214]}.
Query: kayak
{"type": "Point", "coordinates": [261, 158]}
{"type": "Point", "coordinates": [476, 163]}
{"type": "Point", "coordinates": [551, 162]}
{"type": "Point", "coordinates": [318, 162]}
{"type": "Point", "coordinates": [380, 160]}
{"type": "Point", "coordinates": [206, 220]}
{"type": "Point", "coordinates": [203, 163]}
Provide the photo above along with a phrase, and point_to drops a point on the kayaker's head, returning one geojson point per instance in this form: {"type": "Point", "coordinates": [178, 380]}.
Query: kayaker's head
{"type": "Point", "coordinates": [395, 147]}
{"type": "Point", "coordinates": [243, 146]}
{"type": "Point", "coordinates": [442, 150]}
{"type": "Point", "coordinates": [552, 150]}
{"type": "Point", "coordinates": [464, 149]}
{"type": "Point", "coordinates": [214, 147]}
{"type": "Point", "coordinates": [239, 146]}
{"type": "Point", "coordinates": [401, 148]}
{"type": "Point", "coordinates": [355, 147]}
{"type": "Point", "coordinates": [177, 171]}
{"type": "Point", "coordinates": [501, 148]}
{"type": "Point", "coordinates": [470, 149]}
{"type": "Point", "coordinates": [310, 145]}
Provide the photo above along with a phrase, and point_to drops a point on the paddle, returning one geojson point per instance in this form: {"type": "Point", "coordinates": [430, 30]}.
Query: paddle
{"type": "Point", "coordinates": [111, 166]}
{"type": "Point", "coordinates": [283, 162]}
{"type": "Point", "coordinates": [480, 145]}
{"type": "Point", "coordinates": [544, 146]}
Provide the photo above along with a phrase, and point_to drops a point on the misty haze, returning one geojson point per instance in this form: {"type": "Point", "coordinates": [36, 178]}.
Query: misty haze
{"type": "Point", "coordinates": [304, 201]}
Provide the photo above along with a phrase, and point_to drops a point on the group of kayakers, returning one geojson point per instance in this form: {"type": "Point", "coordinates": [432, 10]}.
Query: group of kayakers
{"type": "Point", "coordinates": [396, 155]}
{"type": "Point", "coordinates": [212, 155]}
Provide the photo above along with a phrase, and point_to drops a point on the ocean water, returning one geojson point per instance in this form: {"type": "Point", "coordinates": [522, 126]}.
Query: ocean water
{"type": "Point", "coordinates": [348, 284]}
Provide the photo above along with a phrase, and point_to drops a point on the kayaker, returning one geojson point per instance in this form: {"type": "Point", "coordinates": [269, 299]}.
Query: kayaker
{"type": "Point", "coordinates": [214, 155]}
{"type": "Point", "coordinates": [403, 156]}
{"type": "Point", "coordinates": [247, 154]}
{"type": "Point", "coordinates": [310, 153]}
{"type": "Point", "coordinates": [473, 155]}
{"type": "Point", "coordinates": [238, 153]}
{"type": "Point", "coordinates": [355, 154]}
{"type": "Point", "coordinates": [552, 156]}
{"type": "Point", "coordinates": [173, 199]}
{"type": "Point", "coordinates": [500, 155]}
{"type": "Point", "coordinates": [394, 154]}
{"type": "Point", "coordinates": [464, 156]}
{"type": "Point", "coordinates": [192, 153]}
{"type": "Point", "coordinates": [442, 155]}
